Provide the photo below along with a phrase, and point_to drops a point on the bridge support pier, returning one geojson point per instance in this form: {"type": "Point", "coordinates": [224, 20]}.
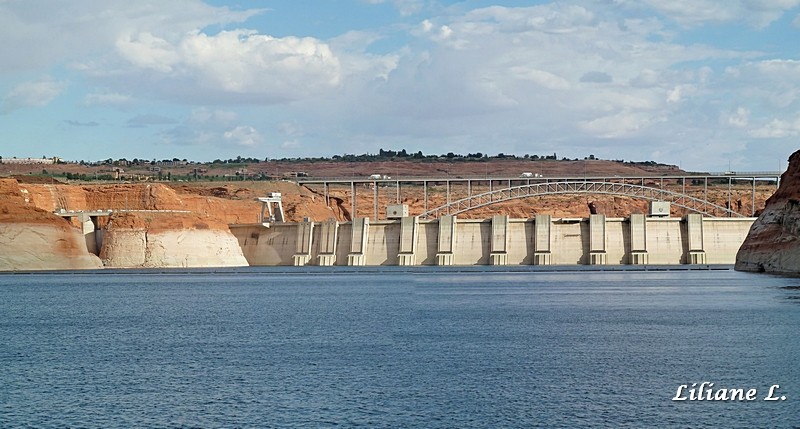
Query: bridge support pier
{"type": "Point", "coordinates": [694, 230]}
{"type": "Point", "coordinates": [541, 240]}
{"type": "Point", "coordinates": [638, 224]}
{"type": "Point", "coordinates": [498, 252]}
{"type": "Point", "coordinates": [409, 231]}
{"type": "Point", "coordinates": [329, 233]}
{"type": "Point", "coordinates": [305, 235]}
{"type": "Point", "coordinates": [358, 242]}
{"type": "Point", "coordinates": [446, 241]}
{"type": "Point", "coordinates": [597, 240]}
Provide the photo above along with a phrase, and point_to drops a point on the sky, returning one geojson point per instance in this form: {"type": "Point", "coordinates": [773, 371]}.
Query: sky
{"type": "Point", "coordinates": [708, 85]}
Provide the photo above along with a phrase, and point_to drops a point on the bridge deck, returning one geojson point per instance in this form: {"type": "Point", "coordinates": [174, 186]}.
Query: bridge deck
{"type": "Point", "coordinates": [750, 175]}
{"type": "Point", "coordinates": [494, 183]}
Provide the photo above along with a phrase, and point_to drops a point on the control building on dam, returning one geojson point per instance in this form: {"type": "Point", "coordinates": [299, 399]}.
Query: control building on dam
{"type": "Point", "coordinates": [543, 240]}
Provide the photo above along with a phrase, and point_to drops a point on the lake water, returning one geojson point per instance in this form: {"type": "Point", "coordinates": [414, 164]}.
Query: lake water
{"type": "Point", "coordinates": [399, 348]}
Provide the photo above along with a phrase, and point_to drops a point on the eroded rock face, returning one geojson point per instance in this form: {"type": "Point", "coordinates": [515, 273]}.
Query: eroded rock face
{"type": "Point", "coordinates": [773, 243]}
{"type": "Point", "coordinates": [42, 246]}
{"type": "Point", "coordinates": [169, 240]}
{"type": "Point", "coordinates": [33, 239]}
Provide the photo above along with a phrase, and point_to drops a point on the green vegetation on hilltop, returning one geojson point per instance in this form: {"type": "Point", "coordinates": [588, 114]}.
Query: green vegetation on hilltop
{"type": "Point", "coordinates": [382, 155]}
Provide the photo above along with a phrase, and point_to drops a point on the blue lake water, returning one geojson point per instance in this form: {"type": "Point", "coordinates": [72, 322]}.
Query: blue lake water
{"type": "Point", "coordinates": [395, 348]}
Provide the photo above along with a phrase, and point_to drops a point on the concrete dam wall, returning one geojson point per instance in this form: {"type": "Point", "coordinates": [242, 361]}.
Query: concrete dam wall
{"type": "Point", "coordinates": [543, 240]}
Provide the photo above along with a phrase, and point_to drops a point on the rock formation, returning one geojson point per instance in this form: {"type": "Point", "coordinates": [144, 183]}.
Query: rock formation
{"type": "Point", "coordinates": [773, 243]}
{"type": "Point", "coordinates": [34, 239]}
{"type": "Point", "coordinates": [169, 240]}
{"type": "Point", "coordinates": [29, 247]}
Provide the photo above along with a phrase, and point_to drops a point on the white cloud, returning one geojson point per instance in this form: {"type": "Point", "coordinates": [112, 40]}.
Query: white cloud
{"type": "Point", "coordinates": [692, 12]}
{"type": "Point", "coordinates": [439, 33]}
{"type": "Point", "coordinates": [405, 7]}
{"type": "Point", "coordinates": [680, 92]}
{"type": "Point", "coordinates": [204, 115]}
{"type": "Point", "coordinates": [37, 35]}
{"type": "Point", "coordinates": [774, 83]}
{"type": "Point", "coordinates": [146, 51]}
{"type": "Point", "coordinates": [290, 129]}
{"type": "Point", "coordinates": [145, 120]}
{"type": "Point", "coordinates": [243, 136]}
{"type": "Point", "coordinates": [622, 124]}
{"type": "Point", "coordinates": [107, 99]}
{"type": "Point", "coordinates": [757, 13]}
{"type": "Point", "coordinates": [212, 128]}
{"type": "Point", "coordinates": [740, 118]}
{"type": "Point", "coordinates": [778, 128]}
{"type": "Point", "coordinates": [540, 77]}
{"type": "Point", "coordinates": [535, 72]}
{"type": "Point", "coordinates": [596, 77]}
{"type": "Point", "coordinates": [244, 61]}
{"type": "Point", "coordinates": [231, 66]}
{"type": "Point", "coordinates": [358, 65]}
{"type": "Point", "coordinates": [32, 94]}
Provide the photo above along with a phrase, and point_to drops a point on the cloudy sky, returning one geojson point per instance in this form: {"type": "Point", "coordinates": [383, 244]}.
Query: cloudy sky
{"type": "Point", "coordinates": [704, 84]}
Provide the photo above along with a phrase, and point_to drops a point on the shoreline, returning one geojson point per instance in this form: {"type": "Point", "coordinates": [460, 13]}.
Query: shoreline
{"type": "Point", "coordinates": [383, 269]}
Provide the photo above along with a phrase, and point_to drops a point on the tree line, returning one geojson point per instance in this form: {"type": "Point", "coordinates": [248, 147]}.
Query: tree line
{"type": "Point", "coordinates": [382, 155]}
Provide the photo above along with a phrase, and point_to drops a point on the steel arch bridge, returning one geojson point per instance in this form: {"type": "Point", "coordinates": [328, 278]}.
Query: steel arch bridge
{"type": "Point", "coordinates": [579, 187]}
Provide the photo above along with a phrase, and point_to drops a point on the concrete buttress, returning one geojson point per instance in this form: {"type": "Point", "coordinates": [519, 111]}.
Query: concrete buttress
{"type": "Point", "coordinates": [446, 240]}
{"type": "Point", "coordinates": [638, 225]}
{"type": "Point", "coordinates": [409, 232]}
{"type": "Point", "coordinates": [305, 235]}
{"type": "Point", "coordinates": [541, 240]}
{"type": "Point", "coordinates": [358, 242]}
{"type": "Point", "coordinates": [597, 239]}
{"type": "Point", "coordinates": [329, 234]}
{"type": "Point", "coordinates": [499, 245]}
{"type": "Point", "coordinates": [694, 230]}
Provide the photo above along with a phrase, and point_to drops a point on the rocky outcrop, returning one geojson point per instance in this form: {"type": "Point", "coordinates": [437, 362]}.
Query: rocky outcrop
{"type": "Point", "coordinates": [169, 240]}
{"type": "Point", "coordinates": [40, 246]}
{"type": "Point", "coordinates": [34, 239]}
{"type": "Point", "coordinates": [773, 243]}
{"type": "Point", "coordinates": [172, 230]}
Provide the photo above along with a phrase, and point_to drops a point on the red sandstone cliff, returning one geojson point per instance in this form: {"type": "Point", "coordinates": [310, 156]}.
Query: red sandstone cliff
{"type": "Point", "coordinates": [773, 243]}
{"type": "Point", "coordinates": [35, 239]}
{"type": "Point", "coordinates": [169, 240]}
{"type": "Point", "coordinates": [182, 226]}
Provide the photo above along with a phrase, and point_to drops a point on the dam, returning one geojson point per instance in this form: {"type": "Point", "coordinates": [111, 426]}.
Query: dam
{"type": "Point", "coordinates": [660, 238]}
{"type": "Point", "coordinates": [543, 240]}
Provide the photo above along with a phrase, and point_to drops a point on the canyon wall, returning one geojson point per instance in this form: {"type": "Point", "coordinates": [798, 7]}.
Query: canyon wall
{"type": "Point", "coordinates": [42, 246]}
{"type": "Point", "coordinates": [34, 239]}
{"type": "Point", "coordinates": [773, 243]}
{"type": "Point", "coordinates": [168, 240]}
{"type": "Point", "coordinates": [164, 228]}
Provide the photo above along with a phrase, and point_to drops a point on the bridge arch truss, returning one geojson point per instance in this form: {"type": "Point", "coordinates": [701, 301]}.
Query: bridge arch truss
{"type": "Point", "coordinates": [685, 201]}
